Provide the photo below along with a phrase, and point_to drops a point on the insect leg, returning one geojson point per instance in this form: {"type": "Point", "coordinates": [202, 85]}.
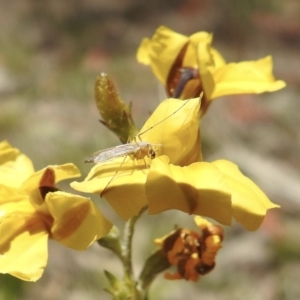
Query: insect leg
{"type": "Point", "coordinates": [113, 176]}
{"type": "Point", "coordinates": [145, 163]}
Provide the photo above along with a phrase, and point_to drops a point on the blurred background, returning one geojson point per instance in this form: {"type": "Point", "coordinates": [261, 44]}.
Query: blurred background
{"type": "Point", "coordinates": [50, 55]}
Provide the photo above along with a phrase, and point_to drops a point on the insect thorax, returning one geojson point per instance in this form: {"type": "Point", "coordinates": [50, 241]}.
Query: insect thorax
{"type": "Point", "coordinates": [143, 151]}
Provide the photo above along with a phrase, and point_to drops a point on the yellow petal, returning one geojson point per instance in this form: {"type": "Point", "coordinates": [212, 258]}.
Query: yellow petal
{"type": "Point", "coordinates": [238, 78]}
{"type": "Point", "coordinates": [4, 145]}
{"type": "Point", "coordinates": [48, 176]}
{"type": "Point", "coordinates": [202, 223]}
{"type": "Point", "coordinates": [123, 185]}
{"type": "Point", "coordinates": [13, 203]}
{"type": "Point", "coordinates": [175, 125]}
{"type": "Point", "coordinates": [66, 171]}
{"type": "Point", "coordinates": [197, 189]}
{"type": "Point", "coordinates": [143, 51]}
{"type": "Point", "coordinates": [26, 254]}
{"type": "Point", "coordinates": [61, 172]}
{"type": "Point", "coordinates": [217, 58]}
{"type": "Point", "coordinates": [77, 220]}
{"type": "Point", "coordinates": [190, 57]}
{"type": "Point", "coordinates": [15, 167]}
{"type": "Point", "coordinates": [9, 194]}
{"type": "Point", "coordinates": [161, 51]}
{"type": "Point", "coordinates": [249, 203]}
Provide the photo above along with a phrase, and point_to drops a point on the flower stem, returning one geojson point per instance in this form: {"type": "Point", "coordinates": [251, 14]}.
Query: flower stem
{"type": "Point", "coordinates": [127, 243]}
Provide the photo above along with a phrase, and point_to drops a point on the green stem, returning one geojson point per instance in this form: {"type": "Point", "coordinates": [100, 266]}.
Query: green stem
{"type": "Point", "coordinates": [127, 243]}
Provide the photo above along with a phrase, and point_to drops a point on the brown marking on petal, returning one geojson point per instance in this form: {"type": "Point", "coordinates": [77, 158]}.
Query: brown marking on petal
{"type": "Point", "coordinates": [31, 223]}
{"type": "Point", "coordinates": [40, 220]}
{"type": "Point", "coordinates": [177, 82]}
{"type": "Point", "coordinates": [174, 73]}
{"type": "Point", "coordinates": [71, 221]}
{"type": "Point", "coordinates": [48, 178]}
{"type": "Point", "coordinates": [44, 190]}
{"type": "Point", "coordinates": [190, 196]}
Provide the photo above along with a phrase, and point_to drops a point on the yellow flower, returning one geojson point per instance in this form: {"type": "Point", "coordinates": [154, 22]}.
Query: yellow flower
{"type": "Point", "coordinates": [187, 66]}
{"type": "Point", "coordinates": [193, 253]}
{"type": "Point", "coordinates": [15, 167]}
{"type": "Point", "coordinates": [126, 192]}
{"type": "Point", "coordinates": [177, 178]}
{"type": "Point", "coordinates": [32, 210]}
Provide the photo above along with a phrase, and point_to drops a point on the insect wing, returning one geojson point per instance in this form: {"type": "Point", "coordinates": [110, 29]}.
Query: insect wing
{"type": "Point", "coordinates": [111, 153]}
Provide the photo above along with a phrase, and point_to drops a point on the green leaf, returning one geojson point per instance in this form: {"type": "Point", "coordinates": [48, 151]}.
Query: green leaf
{"type": "Point", "coordinates": [155, 264]}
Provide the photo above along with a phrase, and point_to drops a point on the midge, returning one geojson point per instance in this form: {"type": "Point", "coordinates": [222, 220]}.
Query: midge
{"type": "Point", "coordinates": [135, 150]}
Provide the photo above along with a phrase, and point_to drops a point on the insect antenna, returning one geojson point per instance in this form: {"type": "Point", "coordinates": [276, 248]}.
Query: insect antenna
{"type": "Point", "coordinates": [185, 103]}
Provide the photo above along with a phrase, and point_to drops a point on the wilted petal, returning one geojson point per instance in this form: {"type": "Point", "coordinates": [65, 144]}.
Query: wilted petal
{"type": "Point", "coordinates": [249, 203]}
{"type": "Point", "coordinates": [77, 221]}
{"type": "Point", "coordinates": [198, 189]}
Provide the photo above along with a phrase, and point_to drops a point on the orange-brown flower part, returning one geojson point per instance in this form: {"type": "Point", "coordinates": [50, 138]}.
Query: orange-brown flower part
{"type": "Point", "coordinates": [191, 252]}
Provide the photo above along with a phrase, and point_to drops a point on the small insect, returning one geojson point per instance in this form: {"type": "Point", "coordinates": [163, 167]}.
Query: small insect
{"type": "Point", "coordinates": [136, 150]}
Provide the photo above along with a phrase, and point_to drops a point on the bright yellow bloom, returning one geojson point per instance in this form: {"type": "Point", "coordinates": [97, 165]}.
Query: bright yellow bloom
{"type": "Point", "coordinates": [15, 167]}
{"type": "Point", "coordinates": [126, 192]}
{"type": "Point", "coordinates": [177, 178]}
{"type": "Point", "coordinates": [32, 210]}
{"type": "Point", "coordinates": [186, 66]}
{"type": "Point", "coordinates": [193, 253]}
